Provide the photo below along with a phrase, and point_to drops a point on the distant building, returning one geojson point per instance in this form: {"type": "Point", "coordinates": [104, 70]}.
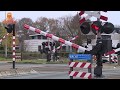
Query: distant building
{"type": "Point", "coordinates": [35, 42]}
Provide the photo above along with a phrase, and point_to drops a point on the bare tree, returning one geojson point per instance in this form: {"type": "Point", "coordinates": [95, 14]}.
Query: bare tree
{"type": "Point", "coordinates": [20, 26]}
{"type": "Point", "coordinates": [41, 23]}
{"type": "Point", "coordinates": [69, 27]}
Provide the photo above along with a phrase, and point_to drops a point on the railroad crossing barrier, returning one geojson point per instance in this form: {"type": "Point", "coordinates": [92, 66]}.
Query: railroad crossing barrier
{"type": "Point", "coordinates": [88, 65]}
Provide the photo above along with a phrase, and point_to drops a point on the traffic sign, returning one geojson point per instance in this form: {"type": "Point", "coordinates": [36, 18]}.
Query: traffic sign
{"type": "Point", "coordinates": [80, 56]}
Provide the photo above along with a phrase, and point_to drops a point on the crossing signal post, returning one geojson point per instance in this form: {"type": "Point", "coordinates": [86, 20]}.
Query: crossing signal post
{"type": "Point", "coordinates": [96, 27]}
{"type": "Point", "coordinates": [102, 45]}
{"type": "Point", "coordinates": [85, 27]}
{"type": "Point", "coordinates": [10, 27]}
{"type": "Point", "coordinates": [108, 28]}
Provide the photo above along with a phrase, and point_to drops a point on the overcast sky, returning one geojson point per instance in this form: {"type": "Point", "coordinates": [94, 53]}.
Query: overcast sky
{"type": "Point", "coordinates": [113, 16]}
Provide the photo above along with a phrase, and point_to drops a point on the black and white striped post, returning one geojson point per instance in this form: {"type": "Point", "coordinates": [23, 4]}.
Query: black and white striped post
{"type": "Point", "coordinates": [10, 26]}
{"type": "Point", "coordinates": [14, 46]}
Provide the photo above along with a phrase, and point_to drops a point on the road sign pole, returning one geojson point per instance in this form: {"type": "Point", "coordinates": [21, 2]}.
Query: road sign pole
{"type": "Point", "coordinates": [71, 69]}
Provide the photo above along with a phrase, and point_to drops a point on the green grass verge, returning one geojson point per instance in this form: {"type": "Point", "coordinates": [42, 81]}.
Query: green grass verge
{"type": "Point", "coordinates": [43, 61]}
{"type": "Point", "coordinates": [39, 61]}
{"type": "Point", "coordinates": [5, 59]}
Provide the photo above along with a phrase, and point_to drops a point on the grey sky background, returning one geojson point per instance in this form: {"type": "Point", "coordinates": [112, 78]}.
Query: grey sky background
{"type": "Point", "coordinates": [113, 16]}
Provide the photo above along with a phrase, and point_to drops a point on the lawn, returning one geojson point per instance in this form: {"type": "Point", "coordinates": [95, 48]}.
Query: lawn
{"type": "Point", "coordinates": [42, 61]}
{"type": "Point", "coordinates": [5, 59]}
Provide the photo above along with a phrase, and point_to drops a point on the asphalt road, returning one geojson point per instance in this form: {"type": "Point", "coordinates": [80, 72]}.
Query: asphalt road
{"type": "Point", "coordinates": [108, 74]}
{"type": "Point", "coordinates": [58, 71]}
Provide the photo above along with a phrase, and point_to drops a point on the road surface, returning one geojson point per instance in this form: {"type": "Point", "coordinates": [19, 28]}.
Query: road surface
{"type": "Point", "coordinates": [58, 71]}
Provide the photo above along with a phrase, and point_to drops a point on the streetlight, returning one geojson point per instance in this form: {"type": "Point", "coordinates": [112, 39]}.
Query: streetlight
{"type": "Point", "coordinates": [20, 36]}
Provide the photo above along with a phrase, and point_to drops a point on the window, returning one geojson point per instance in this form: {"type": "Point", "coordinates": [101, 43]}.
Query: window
{"type": "Point", "coordinates": [44, 37]}
{"type": "Point", "coordinates": [33, 37]}
{"type": "Point", "coordinates": [39, 37]}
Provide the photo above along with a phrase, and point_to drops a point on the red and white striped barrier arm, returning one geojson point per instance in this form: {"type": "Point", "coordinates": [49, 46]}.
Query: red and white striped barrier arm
{"type": "Point", "coordinates": [55, 38]}
{"type": "Point", "coordinates": [4, 37]}
{"type": "Point", "coordinates": [74, 38]}
{"type": "Point", "coordinates": [58, 48]}
{"type": "Point", "coordinates": [113, 51]}
{"type": "Point", "coordinates": [80, 74]}
{"type": "Point", "coordinates": [80, 64]}
{"type": "Point", "coordinates": [14, 56]}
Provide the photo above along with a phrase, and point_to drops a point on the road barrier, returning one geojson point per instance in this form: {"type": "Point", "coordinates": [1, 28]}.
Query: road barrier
{"type": "Point", "coordinates": [88, 65]}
